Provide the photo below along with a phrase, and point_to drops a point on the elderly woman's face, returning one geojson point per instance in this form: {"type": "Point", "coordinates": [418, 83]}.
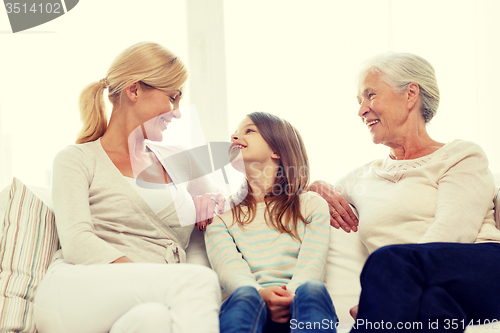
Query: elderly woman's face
{"type": "Point", "coordinates": [382, 109]}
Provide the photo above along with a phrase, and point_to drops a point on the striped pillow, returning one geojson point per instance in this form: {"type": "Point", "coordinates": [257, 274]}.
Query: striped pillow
{"type": "Point", "coordinates": [4, 198]}
{"type": "Point", "coordinates": [27, 242]}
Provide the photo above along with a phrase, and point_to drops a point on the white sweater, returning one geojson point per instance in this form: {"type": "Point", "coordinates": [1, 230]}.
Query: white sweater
{"type": "Point", "coordinates": [446, 196]}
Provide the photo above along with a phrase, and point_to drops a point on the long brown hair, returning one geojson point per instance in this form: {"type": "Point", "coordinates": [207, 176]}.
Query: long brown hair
{"type": "Point", "coordinates": [145, 62]}
{"type": "Point", "coordinates": [282, 200]}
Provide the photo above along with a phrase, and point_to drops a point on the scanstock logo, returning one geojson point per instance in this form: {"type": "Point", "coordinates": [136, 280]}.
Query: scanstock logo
{"type": "Point", "coordinates": [26, 14]}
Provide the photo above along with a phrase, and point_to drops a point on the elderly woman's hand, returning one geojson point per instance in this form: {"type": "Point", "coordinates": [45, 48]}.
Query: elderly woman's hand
{"type": "Point", "coordinates": [354, 312]}
{"type": "Point", "coordinates": [205, 208]}
{"type": "Point", "coordinates": [341, 214]}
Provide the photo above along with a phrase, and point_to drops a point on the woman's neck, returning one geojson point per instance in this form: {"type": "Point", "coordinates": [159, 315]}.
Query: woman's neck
{"type": "Point", "coordinates": [120, 138]}
{"type": "Point", "coordinates": [411, 140]}
{"type": "Point", "coordinates": [410, 148]}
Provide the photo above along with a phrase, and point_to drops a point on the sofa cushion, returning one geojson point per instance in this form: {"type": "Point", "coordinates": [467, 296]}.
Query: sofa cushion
{"type": "Point", "coordinates": [28, 239]}
{"type": "Point", "coordinates": [346, 257]}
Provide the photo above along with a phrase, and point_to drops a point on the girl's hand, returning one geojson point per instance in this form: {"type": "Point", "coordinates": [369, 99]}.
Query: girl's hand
{"type": "Point", "coordinates": [205, 208]}
{"type": "Point", "coordinates": [278, 302]}
{"type": "Point", "coordinates": [341, 214]}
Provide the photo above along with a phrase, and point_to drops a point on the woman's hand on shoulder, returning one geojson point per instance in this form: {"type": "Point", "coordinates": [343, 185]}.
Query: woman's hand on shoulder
{"type": "Point", "coordinates": [341, 214]}
{"type": "Point", "coordinates": [205, 208]}
{"type": "Point", "coordinates": [278, 301]}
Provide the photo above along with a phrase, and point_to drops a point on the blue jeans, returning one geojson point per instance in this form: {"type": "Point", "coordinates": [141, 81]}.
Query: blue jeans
{"type": "Point", "coordinates": [311, 311]}
{"type": "Point", "coordinates": [434, 287]}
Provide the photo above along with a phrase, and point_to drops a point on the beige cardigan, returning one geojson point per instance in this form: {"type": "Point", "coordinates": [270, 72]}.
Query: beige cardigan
{"type": "Point", "coordinates": [446, 196]}
{"type": "Point", "coordinates": [100, 217]}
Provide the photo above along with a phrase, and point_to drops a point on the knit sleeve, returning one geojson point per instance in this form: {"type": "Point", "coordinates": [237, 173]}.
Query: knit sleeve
{"type": "Point", "coordinates": [465, 193]}
{"type": "Point", "coordinates": [72, 176]}
{"type": "Point", "coordinates": [311, 261]}
{"type": "Point", "coordinates": [225, 259]}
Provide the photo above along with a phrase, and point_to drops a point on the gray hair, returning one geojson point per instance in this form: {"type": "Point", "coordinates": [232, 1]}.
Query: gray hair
{"type": "Point", "coordinates": [399, 70]}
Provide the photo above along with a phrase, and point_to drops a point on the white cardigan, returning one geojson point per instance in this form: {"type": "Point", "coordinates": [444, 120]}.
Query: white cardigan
{"type": "Point", "coordinates": [446, 196]}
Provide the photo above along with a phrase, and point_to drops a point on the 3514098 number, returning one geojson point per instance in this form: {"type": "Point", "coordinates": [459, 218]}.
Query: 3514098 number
{"type": "Point", "coordinates": [48, 8]}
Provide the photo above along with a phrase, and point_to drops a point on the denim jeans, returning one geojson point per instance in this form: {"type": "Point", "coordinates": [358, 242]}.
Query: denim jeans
{"type": "Point", "coordinates": [311, 311]}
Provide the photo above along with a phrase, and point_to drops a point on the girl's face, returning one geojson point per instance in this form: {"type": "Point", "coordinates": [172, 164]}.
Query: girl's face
{"type": "Point", "coordinates": [158, 108]}
{"type": "Point", "coordinates": [249, 150]}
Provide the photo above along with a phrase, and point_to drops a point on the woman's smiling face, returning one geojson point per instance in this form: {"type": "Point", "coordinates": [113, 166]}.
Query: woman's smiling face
{"type": "Point", "coordinates": [159, 108]}
{"type": "Point", "coordinates": [382, 109]}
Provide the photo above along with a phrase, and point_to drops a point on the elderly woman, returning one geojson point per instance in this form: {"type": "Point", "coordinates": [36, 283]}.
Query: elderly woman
{"type": "Point", "coordinates": [434, 200]}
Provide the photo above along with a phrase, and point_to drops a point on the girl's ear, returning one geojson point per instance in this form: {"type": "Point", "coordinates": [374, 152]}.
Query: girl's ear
{"type": "Point", "coordinates": [275, 155]}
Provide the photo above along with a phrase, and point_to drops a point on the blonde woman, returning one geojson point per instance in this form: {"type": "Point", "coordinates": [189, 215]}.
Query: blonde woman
{"type": "Point", "coordinates": [122, 212]}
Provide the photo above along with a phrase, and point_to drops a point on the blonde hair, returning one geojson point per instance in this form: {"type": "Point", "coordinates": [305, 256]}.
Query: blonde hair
{"type": "Point", "coordinates": [399, 70]}
{"type": "Point", "coordinates": [145, 62]}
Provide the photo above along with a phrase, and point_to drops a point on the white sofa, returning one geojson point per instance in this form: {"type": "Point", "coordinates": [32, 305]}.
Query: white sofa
{"type": "Point", "coordinates": [344, 263]}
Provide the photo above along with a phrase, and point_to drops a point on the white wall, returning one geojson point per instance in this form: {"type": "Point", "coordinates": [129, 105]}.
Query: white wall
{"type": "Point", "coordinates": [44, 69]}
{"type": "Point", "coordinates": [299, 59]}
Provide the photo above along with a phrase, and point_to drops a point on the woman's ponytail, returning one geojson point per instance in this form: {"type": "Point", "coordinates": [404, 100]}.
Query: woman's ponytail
{"type": "Point", "coordinates": [92, 113]}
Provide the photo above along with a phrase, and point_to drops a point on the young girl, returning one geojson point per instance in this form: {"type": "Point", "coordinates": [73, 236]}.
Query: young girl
{"type": "Point", "coordinates": [270, 250]}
